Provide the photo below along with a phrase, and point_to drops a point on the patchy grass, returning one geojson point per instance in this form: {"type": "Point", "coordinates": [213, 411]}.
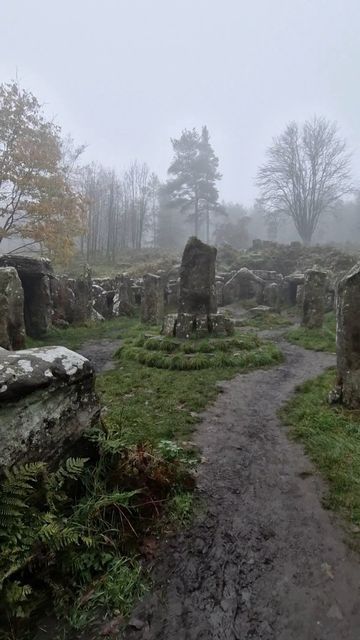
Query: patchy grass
{"type": "Point", "coordinates": [331, 437]}
{"type": "Point", "coordinates": [323, 339]}
{"type": "Point", "coordinates": [74, 336]}
{"type": "Point", "coordinates": [268, 321]}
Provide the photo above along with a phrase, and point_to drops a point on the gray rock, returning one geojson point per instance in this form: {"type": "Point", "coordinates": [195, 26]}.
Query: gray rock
{"type": "Point", "coordinates": [244, 285]}
{"type": "Point", "coordinates": [35, 275]}
{"type": "Point", "coordinates": [197, 278]}
{"type": "Point", "coordinates": [152, 304]}
{"type": "Point", "coordinates": [12, 328]}
{"type": "Point", "coordinates": [313, 298]}
{"type": "Point", "coordinates": [348, 338]}
{"type": "Point", "coordinates": [47, 401]}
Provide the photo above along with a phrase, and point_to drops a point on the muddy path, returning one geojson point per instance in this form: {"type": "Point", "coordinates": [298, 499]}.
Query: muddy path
{"type": "Point", "coordinates": [263, 560]}
{"type": "Point", "coordinates": [100, 353]}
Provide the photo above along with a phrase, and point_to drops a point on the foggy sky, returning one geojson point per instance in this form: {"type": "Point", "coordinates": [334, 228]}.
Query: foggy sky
{"type": "Point", "coordinates": [123, 76]}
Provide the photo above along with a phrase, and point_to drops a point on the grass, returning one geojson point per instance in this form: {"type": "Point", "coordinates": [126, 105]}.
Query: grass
{"type": "Point", "coordinates": [243, 352]}
{"type": "Point", "coordinates": [331, 437]}
{"type": "Point", "coordinates": [323, 339]}
{"type": "Point", "coordinates": [268, 321]}
{"type": "Point", "coordinates": [144, 446]}
{"type": "Point", "coordinates": [74, 336]}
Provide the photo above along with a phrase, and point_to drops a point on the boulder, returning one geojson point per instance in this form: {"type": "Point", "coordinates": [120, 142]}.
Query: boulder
{"type": "Point", "coordinates": [82, 288]}
{"type": "Point", "coordinates": [12, 327]}
{"type": "Point", "coordinates": [348, 338]}
{"type": "Point", "coordinates": [63, 300]}
{"type": "Point", "coordinates": [47, 402]}
{"type": "Point", "coordinates": [313, 298]}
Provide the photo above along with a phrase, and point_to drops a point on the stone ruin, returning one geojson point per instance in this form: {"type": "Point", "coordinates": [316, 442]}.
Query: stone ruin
{"type": "Point", "coordinates": [152, 304]}
{"type": "Point", "coordinates": [348, 340]}
{"type": "Point", "coordinates": [197, 308]}
{"type": "Point", "coordinates": [12, 326]}
{"type": "Point", "coordinates": [313, 298]}
{"type": "Point", "coordinates": [35, 275]}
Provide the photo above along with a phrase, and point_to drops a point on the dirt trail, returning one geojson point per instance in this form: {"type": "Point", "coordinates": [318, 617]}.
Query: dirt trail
{"type": "Point", "coordinates": [264, 561]}
{"type": "Point", "coordinates": [100, 353]}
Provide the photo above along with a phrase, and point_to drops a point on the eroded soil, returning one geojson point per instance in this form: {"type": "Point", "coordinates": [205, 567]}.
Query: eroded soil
{"type": "Point", "coordinates": [263, 560]}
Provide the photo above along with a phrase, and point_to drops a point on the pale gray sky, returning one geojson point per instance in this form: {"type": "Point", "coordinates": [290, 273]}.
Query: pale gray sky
{"type": "Point", "coordinates": [124, 76]}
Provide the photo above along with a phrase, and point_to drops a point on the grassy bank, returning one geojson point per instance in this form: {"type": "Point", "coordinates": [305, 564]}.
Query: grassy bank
{"type": "Point", "coordinates": [331, 437]}
{"type": "Point", "coordinates": [323, 339]}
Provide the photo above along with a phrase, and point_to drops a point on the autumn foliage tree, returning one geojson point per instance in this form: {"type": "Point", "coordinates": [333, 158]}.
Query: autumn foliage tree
{"type": "Point", "coordinates": [39, 202]}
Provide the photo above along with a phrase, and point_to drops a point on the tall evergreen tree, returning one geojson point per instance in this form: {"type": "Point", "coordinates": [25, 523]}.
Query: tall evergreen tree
{"type": "Point", "coordinates": [194, 174]}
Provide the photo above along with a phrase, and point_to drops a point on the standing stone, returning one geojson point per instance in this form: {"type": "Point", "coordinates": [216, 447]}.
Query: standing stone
{"type": "Point", "coordinates": [12, 328]}
{"type": "Point", "coordinates": [152, 304]}
{"type": "Point", "coordinates": [63, 300]}
{"type": "Point", "coordinates": [82, 288]}
{"type": "Point", "coordinates": [197, 278]}
{"type": "Point", "coordinates": [348, 338]}
{"type": "Point", "coordinates": [35, 275]}
{"type": "Point", "coordinates": [313, 295]}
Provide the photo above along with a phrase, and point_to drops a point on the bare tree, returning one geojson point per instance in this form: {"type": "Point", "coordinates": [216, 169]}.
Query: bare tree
{"type": "Point", "coordinates": [307, 172]}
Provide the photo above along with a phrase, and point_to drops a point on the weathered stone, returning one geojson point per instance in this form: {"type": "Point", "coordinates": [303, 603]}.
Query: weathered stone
{"type": "Point", "coordinates": [272, 296]}
{"type": "Point", "coordinates": [82, 288]}
{"type": "Point", "coordinates": [103, 301]}
{"type": "Point", "coordinates": [169, 325]}
{"type": "Point", "coordinates": [152, 305]}
{"type": "Point", "coordinates": [197, 278]}
{"type": "Point", "coordinates": [12, 328]}
{"type": "Point", "coordinates": [35, 277]}
{"type": "Point", "coordinates": [313, 297]}
{"type": "Point", "coordinates": [348, 338]}
{"type": "Point", "coordinates": [219, 284]}
{"type": "Point", "coordinates": [290, 287]}
{"type": "Point", "coordinates": [185, 325]}
{"type": "Point", "coordinates": [47, 401]}
{"type": "Point", "coordinates": [244, 285]}
{"type": "Point", "coordinates": [261, 310]}
{"type": "Point", "coordinates": [220, 325]}
{"type": "Point", "coordinates": [63, 300]}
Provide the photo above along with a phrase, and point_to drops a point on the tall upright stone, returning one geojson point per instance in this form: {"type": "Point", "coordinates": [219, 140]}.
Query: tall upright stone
{"type": "Point", "coordinates": [12, 328]}
{"type": "Point", "coordinates": [197, 278]}
{"type": "Point", "coordinates": [348, 338]}
{"type": "Point", "coordinates": [35, 275]}
{"type": "Point", "coordinates": [152, 304]}
{"type": "Point", "coordinates": [82, 288]}
{"type": "Point", "coordinates": [197, 315]}
{"type": "Point", "coordinates": [313, 298]}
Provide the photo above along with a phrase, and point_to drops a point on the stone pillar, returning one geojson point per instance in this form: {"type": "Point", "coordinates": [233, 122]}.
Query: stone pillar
{"type": "Point", "coordinates": [82, 288]}
{"type": "Point", "coordinates": [197, 278]}
{"type": "Point", "coordinates": [152, 304]}
{"type": "Point", "coordinates": [348, 338]}
{"type": "Point", "coordinates": [12, 328]}
{"type": "Point", "coordinates": [313, 304]}
{"type": "Point", "coordinates": [35, 275]}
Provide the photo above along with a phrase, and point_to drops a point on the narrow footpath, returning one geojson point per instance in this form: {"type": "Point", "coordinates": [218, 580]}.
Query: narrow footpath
{"type": "Point", "coordinates": [263, 560]}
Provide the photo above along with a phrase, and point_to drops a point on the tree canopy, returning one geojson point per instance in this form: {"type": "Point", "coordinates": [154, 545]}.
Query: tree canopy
{"type": "Point", "coordinates": [306, 173]}
{"type": "Point", "coordinates": [193, 176]}
{"type": "Point", "coordinates": [38, 199]}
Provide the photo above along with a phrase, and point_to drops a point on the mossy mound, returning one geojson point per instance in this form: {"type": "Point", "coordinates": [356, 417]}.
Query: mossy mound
{"type": "Point", "coordinates": [245, 351]}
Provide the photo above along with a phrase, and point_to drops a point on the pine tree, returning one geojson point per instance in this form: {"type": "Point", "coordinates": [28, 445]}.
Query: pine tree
{"type": "Point", "coordinates": [194, 170]}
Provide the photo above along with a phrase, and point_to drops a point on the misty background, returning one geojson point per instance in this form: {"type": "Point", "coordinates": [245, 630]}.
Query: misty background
{"type": "Point", "coordinates": [123, 77]}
